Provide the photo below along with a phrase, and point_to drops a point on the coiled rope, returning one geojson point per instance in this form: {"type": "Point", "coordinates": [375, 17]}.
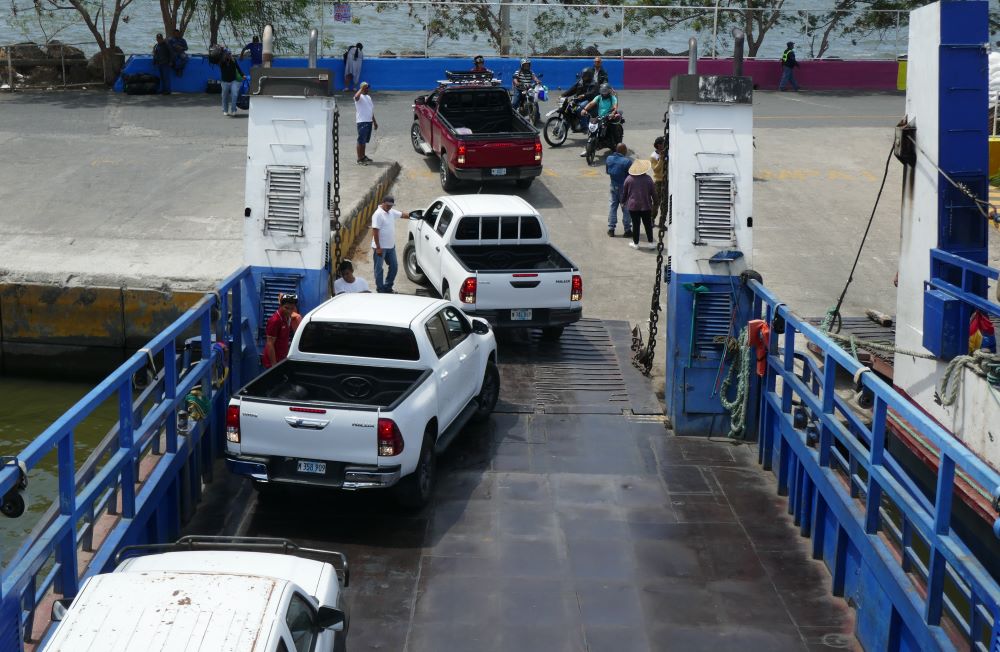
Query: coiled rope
{"type": "Point", "coordinates": [984, 364]}
{"type": "Point", "coordinates": [740, 369]}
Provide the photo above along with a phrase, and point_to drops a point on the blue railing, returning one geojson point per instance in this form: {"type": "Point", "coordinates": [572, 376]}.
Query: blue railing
{"type": "Point", "coordinates": [143, 482]}
{"type": "Point", "coordinates": [971, 276]}
{"type": "Point", "coordinates": [890, 544]}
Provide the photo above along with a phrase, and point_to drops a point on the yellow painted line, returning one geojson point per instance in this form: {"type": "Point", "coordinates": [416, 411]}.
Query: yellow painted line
{"type": "Point", "coordinates": [590, 172]}
{"type": "Point", "coordinates": [549, 173]}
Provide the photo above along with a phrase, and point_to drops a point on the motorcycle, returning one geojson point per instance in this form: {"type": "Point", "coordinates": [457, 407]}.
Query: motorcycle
{"type": "Point", "coordinates": [562, 121]}
{"type": "Point", "coordinates": [603, 133]}
{"type": "Point", "coordinates": [529, 103]}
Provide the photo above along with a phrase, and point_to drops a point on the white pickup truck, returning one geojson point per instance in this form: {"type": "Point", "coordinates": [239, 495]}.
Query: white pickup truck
{"type": "Point", "coordinates": [491, 254]}
{"type": "Point", "coordinates": [374, 387]}
{"type": "Point", "coordinates": [205, 594]}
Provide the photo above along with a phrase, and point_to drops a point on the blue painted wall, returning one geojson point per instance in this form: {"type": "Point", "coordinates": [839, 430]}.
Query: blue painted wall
{"type": "Point", "coordinates": [387, 74]}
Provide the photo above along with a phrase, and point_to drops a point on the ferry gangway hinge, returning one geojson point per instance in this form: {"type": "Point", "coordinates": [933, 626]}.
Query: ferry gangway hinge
{"type": "Point", "coordinates": [245, 544]}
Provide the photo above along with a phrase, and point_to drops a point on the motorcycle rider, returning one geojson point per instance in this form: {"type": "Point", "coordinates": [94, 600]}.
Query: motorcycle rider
{"type": "Point", "coordinates": [479, 64]}
{"type": "Point", "coordinates": [606, 103]}
{"type": "Point", "coordinates": [581, 92]}
{"type": "Point", "coordinates": [524, 79]}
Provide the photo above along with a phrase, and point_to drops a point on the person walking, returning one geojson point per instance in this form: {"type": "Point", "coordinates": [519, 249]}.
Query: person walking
{"type": "Point", "coordinates": [279, 331]}
{"type": "Point", "coordinates": [788, 66]}
{"type": "Point", "coordinates": [162, 57]}
{"type": "Point", "coordinates": [231, 78]}
{"type": "Point", "coordinates": [639, 196]}
{"type": "Point", "coordinates": [256, 50]}
{"type": "Point", "coordinates": [617, 165]}
{"type": "Point", "coordinates": [658, 161]}
{"type": "Point", "coordinates": [349, 283]}
{"type": "Point", "coordinates": [353, 58]}
{"type": "Point", "coordinates": [384, 243]}
{"type": "Point", "coordinates": [364, 111]}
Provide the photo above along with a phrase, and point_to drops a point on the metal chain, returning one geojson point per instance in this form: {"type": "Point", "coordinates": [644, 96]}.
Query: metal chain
{"type": "Point", "coordinates": [643, 355]}
{"type": "Point", "coordinates": [335, 209]}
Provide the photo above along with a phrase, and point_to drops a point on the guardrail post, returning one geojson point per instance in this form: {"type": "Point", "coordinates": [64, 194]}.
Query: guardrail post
{"type": "Point", "coordinates": [873, 497]}
{"type": "Point", "coordinates": [66, 582]}
{"type": "Point", "coordinates": [942, 524]}
{"type": "Point", "coordinates": [829, 393]}
{"type": "Point", "coordinates": [125, 443]}
{"type": "Point", "coordinates": [170, 392]}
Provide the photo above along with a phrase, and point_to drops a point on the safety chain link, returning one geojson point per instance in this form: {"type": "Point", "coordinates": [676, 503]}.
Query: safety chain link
{"type": "Point", "coordinates": [642, 357]}
{"type": "Point", "coordinates": [335, 209]}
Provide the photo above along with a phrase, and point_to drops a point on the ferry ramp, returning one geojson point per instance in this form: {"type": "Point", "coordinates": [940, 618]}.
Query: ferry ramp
{"type": "Point", "coordinates": [573, 520]}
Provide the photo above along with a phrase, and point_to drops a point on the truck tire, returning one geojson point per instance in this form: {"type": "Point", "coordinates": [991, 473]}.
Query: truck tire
{"type": "Point", "coordinates": [552, 332]}
{"type": "Point", "coordinates": [410, 266]}
{"type": "Point", "coordinates": [489, 394]}
{"type": "Point", "coordinates": [416, 139]}
{"type": "Point", "coordinates": [415, 490]}
{"type": "Point", "coordinates": [448, 181]}
{"type": "Point", "coordinates": [524, 184]}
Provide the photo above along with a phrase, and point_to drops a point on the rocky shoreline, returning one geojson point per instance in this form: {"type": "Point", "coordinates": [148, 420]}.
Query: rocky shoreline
{"type": "Point", "coordinates": [55, 63]}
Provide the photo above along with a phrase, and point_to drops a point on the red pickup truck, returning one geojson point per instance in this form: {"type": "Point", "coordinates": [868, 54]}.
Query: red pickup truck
{"type": "Point", "coordinates": [470, 125]}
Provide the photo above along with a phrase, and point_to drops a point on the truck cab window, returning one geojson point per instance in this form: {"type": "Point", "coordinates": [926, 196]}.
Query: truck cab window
{"type": "Point", "coordinates": [301, 621]}
{"type": "Point", "coordinates": [444, 220]}
{"type": "Point", "coordinates": [531, 228]}
{"type": "Point", "coordinates": [432, 100]}
{"type": "Point", "coordinates": [438, 336]}
{"type": "Point", "coordinates": [467, 229]}
{"type": "Point", "coordinates": [457, 326]}
{"type": "Point", "coordinates": [431, 214]}
{"type": "Point", "coordinates": [508, 227]}
{"type": "Point", "coordinates": [491, 228]}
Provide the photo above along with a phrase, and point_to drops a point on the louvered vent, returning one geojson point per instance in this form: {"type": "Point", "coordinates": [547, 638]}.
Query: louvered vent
{"type": "Point", "coordinates": [670, 210]}
{"type": "Point", "coordinates": [713, 312]}
{"type": "Point", "coordinates": [714, 199]}
{"type": "Point", "coordinates": [668, 272]}
{"type": "Point", "coordinates": [285, 192]}
{"type": "Point", "coordinates": [271, 287]}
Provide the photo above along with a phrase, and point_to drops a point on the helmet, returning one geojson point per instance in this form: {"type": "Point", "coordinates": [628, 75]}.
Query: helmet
{"type": "Point", "coordinates": [587, 74]}
{"type": "Point", "coordinates": [605, 90]}
{"type": "Point", "coordinates": [525, 61]}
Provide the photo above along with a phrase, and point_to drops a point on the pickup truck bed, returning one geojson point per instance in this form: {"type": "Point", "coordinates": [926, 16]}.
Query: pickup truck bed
{"type": "Point", "coordinates": [510, 258]}
{"type": "Point", "coordinates": [346, 385]}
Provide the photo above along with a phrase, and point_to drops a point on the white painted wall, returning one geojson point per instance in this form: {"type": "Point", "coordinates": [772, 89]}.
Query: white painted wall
{"type": "Point", "coordinates": [292, 131]}
{"type": "Point", "coordinates": [975, 418]}
{"type": "Point", "coordinates": [709, 138]}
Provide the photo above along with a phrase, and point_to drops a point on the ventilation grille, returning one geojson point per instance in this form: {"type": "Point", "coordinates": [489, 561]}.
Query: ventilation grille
{"type": "Point", "coordinates": [271, 287]}
{"type": "Point", "coordinates": [669, 271]}
{"type": "Point", "coordinates": [713, 312]}
{"type": "Point", "coordinates": [714, 198]}
{"type": "Point", "coordinates": [670, 210]}
{"type": "Point", "coordinates": [285, 191]}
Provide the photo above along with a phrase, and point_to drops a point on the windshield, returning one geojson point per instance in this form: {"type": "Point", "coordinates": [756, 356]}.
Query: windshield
{"type": "Point", "coordinates": [360, 340]}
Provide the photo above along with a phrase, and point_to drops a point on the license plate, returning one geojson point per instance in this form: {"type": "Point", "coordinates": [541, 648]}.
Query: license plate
{"type": "Point", "coordinates": [520, 315]}
{"type": "Point", "coordinates": [306, 466]}
{"type": "Point", "coordinates": [498, 172]}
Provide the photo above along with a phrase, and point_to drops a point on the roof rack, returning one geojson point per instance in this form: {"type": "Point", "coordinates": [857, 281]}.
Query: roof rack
{"type": "Point", "coordinates": [484, 78]}
{"type": "Point", "coordinates": [251, 544]}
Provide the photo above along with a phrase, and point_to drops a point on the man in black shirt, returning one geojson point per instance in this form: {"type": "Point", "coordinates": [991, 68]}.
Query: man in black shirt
{"type": "Point", "coordinates": [162, 58]}
{"type": "Point", "coordinates": [232, 78]}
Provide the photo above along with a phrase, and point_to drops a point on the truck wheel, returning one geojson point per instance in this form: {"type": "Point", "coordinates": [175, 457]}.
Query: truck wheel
{"type": "Point", "coordinates": [555, 131]}
{"type": "Point", "coordinates": [524, 184]}
{"type": "Point", "coordinates": [415, 490]}
{"type": "Point", "coordinates": [552, 332]}
{"type": "Point", "coordinates": [416, 139]}
{"type": "Point", "coordinates": [448, 181]}
{"type": "Point", "coordinates": [489, 394]}
{"type": "Point", "coordinates": [413, 271]}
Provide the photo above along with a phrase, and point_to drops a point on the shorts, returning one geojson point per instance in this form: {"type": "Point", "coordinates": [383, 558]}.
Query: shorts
{"type": "Point", "coordinates": [364, 132]}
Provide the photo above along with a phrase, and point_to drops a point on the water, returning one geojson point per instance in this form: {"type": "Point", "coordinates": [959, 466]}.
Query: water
{"type": "Point", "coordinates": [27, 407]}
{"type": "Point", "coordinates": [395, 28]}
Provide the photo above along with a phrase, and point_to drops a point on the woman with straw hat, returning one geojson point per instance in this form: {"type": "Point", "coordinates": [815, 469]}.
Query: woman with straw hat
{"type": "Point", "coordinates": [639, 195]}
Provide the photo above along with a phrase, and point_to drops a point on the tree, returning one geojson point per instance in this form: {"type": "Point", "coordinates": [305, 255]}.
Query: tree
{"type": "Point", "coordinates": [243, 19]}
{"type": "Point", "coordinates": [177, 14]}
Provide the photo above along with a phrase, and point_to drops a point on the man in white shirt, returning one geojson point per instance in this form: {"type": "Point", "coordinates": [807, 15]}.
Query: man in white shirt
{"type": "Point", "coordinates": [365, 117]}
{"type": "Point", "coordinates": [384, 243]}
{"type": "Point", "coordinates": [348, 282]}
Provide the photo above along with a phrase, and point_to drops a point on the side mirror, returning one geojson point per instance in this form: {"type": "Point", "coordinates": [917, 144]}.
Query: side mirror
{"type": "Point", "coordinates": [417, 214]}
{"type": "Point", "coordinates": [480, 326]}
{"type": "Point", "coordinates": [331, 618]}
{"type": "Point", "coordinates": [59, 609]}
{"type": "Point", "coordinates": [421, 99]}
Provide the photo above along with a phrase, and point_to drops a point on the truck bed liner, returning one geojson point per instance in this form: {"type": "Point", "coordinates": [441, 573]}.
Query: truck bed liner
{"type": "Point", "coordinates": [349, 385]}
{"type": "Point", "coordinates": [509, 258]}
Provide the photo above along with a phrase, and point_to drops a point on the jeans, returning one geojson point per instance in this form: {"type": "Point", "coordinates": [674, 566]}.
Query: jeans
{"type": "Point", "coordinates": [615, 201]}
{"type": "Point", "coordinates": [518, 97]}
{"type": "Point", "coordinates": [645, 218]}
{"type": "Point", "coordinates": [787, 77]}
{"type": "Point", "coordinates": [388, 257]}
{"type": "Point", "coordinates": [230, 93]}
{"type": "Point", "coordinates": [165, 72]}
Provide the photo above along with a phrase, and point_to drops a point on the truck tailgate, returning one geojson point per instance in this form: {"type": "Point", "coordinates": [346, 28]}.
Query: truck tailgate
{"type": "Point", "coordinates": [496, 153]}
{"type": "Point", "coordinates": [308, 432]}
{"type": "Point", "coordinates": [543, 289]}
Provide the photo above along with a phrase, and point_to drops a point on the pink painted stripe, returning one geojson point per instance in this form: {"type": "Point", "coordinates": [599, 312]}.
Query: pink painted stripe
{"type": "Point", "coordinates": [641, 74]}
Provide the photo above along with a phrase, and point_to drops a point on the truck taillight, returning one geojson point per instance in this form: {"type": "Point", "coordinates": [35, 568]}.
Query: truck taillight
{"type": "Point", "coordinates": [390, 440]}
{"type": "Point", "coordinates": [467, 294]}
{"type": "Point", "coordinates": [538, 151]}
{"type": "Point", "coordinates": [576, 290]}
{"type": "Point", "coordinates": [233, 424]}
{"type": "Point", "coordinates": [461, 154]}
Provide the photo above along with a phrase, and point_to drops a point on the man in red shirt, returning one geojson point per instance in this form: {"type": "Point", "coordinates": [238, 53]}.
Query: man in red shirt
{"type": "Point", "coordinates": [279, 331]}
